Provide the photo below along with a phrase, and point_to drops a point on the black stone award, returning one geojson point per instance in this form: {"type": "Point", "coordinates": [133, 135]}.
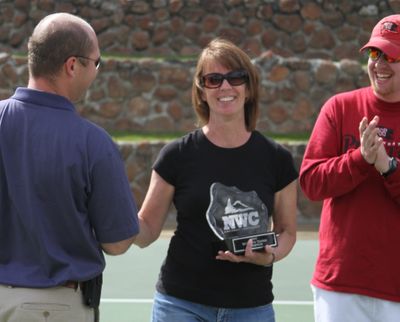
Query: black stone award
{"type": "Point", "coordinates": [236, 216]}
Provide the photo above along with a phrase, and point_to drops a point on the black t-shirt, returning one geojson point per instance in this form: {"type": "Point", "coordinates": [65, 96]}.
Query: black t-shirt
{"type": "Point", "coordinates": [192, 164]}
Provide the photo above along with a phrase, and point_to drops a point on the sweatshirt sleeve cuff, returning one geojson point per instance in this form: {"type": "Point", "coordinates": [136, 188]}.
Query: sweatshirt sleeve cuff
{"type": "Point", "coordinates": [359, 161]}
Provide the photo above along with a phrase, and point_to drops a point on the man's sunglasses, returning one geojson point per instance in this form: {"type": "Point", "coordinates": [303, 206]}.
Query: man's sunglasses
{"type": "Point", "coordinates": [215, 80]}
{"type": "Point", "coordinates": [97, 61]}
{"type": "Point", "coordinates": [375, 54]}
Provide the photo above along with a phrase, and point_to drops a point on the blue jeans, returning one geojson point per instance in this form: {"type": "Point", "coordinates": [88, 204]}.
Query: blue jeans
{"type": "Point", "coordinates": [168, 308]}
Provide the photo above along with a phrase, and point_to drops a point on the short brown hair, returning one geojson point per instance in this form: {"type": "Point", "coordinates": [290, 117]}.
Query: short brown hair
{"type": "Point", "coordinates": [231, 57]}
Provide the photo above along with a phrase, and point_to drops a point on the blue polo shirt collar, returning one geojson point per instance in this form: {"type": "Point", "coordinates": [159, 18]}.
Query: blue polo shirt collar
{"type": "Point", "coordinates": [33, 96]}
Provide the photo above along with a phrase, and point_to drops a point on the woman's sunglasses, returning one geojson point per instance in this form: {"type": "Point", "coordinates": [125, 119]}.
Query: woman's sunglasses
{"type": "Point", "coordinates": [375, 53]}
{"type": "Point", "coordinates": [215, 80]}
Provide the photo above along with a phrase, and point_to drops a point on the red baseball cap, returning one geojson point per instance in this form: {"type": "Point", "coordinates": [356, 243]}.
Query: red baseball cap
{"type": "Point", "coordinates": [386, 36]}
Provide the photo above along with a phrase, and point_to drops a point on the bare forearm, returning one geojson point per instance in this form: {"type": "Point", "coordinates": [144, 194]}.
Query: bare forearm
{"type": "Point", "coordinates": [146, 235]}
{"type": "Point", "coordinates": [286, 241]}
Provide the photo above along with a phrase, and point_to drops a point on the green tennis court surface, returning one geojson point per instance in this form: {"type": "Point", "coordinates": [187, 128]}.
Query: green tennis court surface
{"type": "Point", "coordinates": [129, 283]}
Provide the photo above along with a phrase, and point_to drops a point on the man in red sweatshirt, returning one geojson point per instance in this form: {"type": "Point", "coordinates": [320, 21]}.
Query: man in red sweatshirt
{"type": "Point", "coordinates": [351, 163]}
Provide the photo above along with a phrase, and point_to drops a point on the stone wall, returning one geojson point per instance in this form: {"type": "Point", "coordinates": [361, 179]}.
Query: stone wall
{"type": "Point", "coordinates": [309, 29]}
{"type": "Point", "coordinates": [155, 96]}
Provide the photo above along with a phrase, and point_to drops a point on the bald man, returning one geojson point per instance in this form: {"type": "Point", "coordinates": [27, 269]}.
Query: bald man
{"type": "Point", "coordinates": [64, 195]}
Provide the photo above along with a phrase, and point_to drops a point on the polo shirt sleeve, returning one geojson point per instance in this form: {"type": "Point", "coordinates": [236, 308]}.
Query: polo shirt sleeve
{"type": "Point", "coordinates": [112, 209]}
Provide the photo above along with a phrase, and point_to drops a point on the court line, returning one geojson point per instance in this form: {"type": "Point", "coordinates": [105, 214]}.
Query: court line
{"type": "Point", "coordinates": [140, 301]}
{"type": "Point", "coordinates": [126, 301]}
{"type": "Point", "coordinates": [293, 302]}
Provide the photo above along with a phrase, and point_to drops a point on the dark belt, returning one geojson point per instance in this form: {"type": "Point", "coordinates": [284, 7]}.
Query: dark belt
{"type": "Point", "coordinates": [69, 284]}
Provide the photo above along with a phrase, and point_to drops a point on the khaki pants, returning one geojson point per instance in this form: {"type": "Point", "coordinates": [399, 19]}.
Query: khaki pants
{"type": "Point", "coordinates": [56, 304]}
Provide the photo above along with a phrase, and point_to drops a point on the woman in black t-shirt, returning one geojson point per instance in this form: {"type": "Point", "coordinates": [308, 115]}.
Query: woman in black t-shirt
{"type": "Point", "coordinates": [234, 190]}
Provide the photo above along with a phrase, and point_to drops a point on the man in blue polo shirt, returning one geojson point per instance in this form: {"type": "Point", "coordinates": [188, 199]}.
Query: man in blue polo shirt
{"type": "Point", "coordinates": [64, 195]}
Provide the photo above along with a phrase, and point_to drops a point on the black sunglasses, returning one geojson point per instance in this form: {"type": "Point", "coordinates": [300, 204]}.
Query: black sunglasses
{"type": "Point", "coordinates": [215, 80]}
{"type": "Point", "coordinates": [96, 61]}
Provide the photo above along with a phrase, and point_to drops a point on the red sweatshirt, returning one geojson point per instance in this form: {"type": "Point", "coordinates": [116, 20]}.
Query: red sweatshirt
{"type": "Point", "coordinates": [360, 220]}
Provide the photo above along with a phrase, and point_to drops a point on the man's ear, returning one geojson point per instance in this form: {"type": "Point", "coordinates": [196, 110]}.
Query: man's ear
{"type": "Point", "coordinates": [69, 66]}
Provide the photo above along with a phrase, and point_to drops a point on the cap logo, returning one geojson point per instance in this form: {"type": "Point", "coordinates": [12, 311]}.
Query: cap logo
{"type": "Point", "coordinates": [389, 27]}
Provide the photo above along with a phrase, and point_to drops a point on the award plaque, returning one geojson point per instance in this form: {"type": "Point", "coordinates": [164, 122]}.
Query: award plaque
{"type": "Point", "coordinates": [236, 216]}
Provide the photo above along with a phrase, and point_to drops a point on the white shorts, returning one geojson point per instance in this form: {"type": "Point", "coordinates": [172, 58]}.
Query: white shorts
{"type": "Point", "coordinates": [332, 306]}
